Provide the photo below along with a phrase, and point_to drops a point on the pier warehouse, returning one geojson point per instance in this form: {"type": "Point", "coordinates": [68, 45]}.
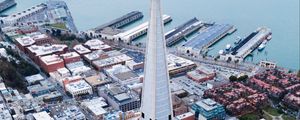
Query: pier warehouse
{"type": "Point", "coordinates": [175, 35]}
{"type": "Point", "coordinates": [247, 45]}
{"type": "Point", "coordinates": [119, 22]}
{"type": "Point", "coordinates": [137, 31]}
{"type": "Point", "coordinates": [205, 39]}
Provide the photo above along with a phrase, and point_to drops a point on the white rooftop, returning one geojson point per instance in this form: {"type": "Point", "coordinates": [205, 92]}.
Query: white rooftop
{"type": "Point", "coordinates": [70, 55]}
{"type": "Point", "coordinates": [207, 104]}
{"type": "Point", "coordinates": [175, 62]}
{"type": "Point", "coordinates": [35, 77]}
{"type": "Point", "coordinates": [78, 86]}
{"type": "Point", "coordinates": [81, 49]}
{"type": "Point", "coordinates": [42, 116]}
{"type": "Point", "coordinates": [94, 55]}
{"type": "Point", "coordinates": [96, 105]}
{"type": "Point", "coordinates": [25, 40]}
{"type": "Point", "coordinates": [2, 86]}
{"type": "Point", "coordinates": [47, 49]}
{"type": "Point", "coordinates": [117, 69]}
{"type": "Point", "coordinates": [96, 44]}
{"type": "Point", "coordinates": [51, 59]}
{"type": "Point", "coordinates": [112, 60]}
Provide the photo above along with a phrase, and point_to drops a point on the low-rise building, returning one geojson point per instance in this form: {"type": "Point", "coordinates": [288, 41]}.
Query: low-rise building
{"type": "Point", "coordinates": [70, 113]}
{"type": "Point", "coordinates": [186, 116]}
{"type": "Point", "coordinates": [96, 107]}
{"type": "Point", "coordinates": [122, 74]}
{"type": "Point", "coordinates": [34, 79]}
{"type": "Point", "coordinates": [178, 64]}
{"type": "Point", "coordinates": [42, 116]}
{"type": "Point", "coordinates": [119, 97]}
{"type": "Point", "coordinates": [78, 88]}
{"type": "Point", "coordinates": [111, 61]}
{"type": "Point", "coordinates": [96, 44]}
{"type": "Point", "coordinates": [208, 109]}
{"type": "Point", "coordinates": [81, 50]}
{"type": "Point", "coordinates": [135, 65]}
{"type": "Point", "coordinates": [95, 55]}
{"type": "Point", "coordinates": [51, 63]}
{"type": "Point", "coordinates": [201, 74]}
{"type": "Point", "coordinates": [71, 57]}
{"type": "Point", "coordinates": [35, 51]}
{"type": "Point", "coordinates": [96, 81]}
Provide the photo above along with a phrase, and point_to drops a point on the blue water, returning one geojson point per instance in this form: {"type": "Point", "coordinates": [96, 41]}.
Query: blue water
{"type": "Point", "coordinates": [282, 16]}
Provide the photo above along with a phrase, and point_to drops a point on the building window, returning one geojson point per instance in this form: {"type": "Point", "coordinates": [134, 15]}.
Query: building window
{"type": "Point", "coordinates": [170, 117]}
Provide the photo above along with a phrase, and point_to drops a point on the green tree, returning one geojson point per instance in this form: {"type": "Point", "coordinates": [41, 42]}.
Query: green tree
{"type": "Point", "coordinates": [232, 78]}
{"type": "Point", "coordinates": [243, 78]}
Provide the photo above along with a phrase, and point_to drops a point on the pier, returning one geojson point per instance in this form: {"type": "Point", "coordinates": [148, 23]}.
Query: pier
{"type": "Point", "coordinates": [121, 21]}
{"type": "Point", "coordinates": [6, 4]}
{"type": "Point", "coordinates": [251, 42]}
{"type": "Point", "coordinates": [206, 38]}
{"type": "Point", "coordinates": [137, 31]}
{"type": "Point", "coordinates": [181, 31]}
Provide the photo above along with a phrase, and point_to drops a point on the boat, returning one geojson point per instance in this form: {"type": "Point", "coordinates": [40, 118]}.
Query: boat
{"type": "Point", "coordinates": [238, 40]}
{"type": "Point", "coordinates": [221, 52]}
{"type": "Point", "coordinates": [269, 37]}
{"type": "Point", "coordinates": [262, 45]}
{"type": "Point", "coordinates": [228, 46]}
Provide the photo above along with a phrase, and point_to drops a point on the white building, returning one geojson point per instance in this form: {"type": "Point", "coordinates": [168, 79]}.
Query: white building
{"type": "Point", "coordinates": [96, 44]}
{"type": "Point", "coordinates": [81, 50]}
{"type": "Point", "coordinates": [42, 116]}
{"type": "Point", "coordinates": [123, 75]}
{"type": "Point", "coordinates": [96, 107]}
{"type": "Point", "coordinates": [79, 88]}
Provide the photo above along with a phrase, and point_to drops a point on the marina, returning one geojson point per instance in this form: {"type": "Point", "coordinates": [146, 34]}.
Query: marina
{"type": "Point", "coordinates": [6, 4]}
{"type": "Point", "coordinates": [121, 21]}
{"type": "Point", "coordinates": [181, 31]}
{"type": "Point", "coordinates": [205, 38]}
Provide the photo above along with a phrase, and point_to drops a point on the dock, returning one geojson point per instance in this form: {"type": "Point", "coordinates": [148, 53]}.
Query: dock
{"type": "Point", "coordinates": [181, 31]}
{"type": "Point", "coordinates": [207, 37]}
{"type": "Point", "coordinates": [6, 4]}
{"type": "Point", "coordinates": [121, 21]}
{"type": "Point", "coordinates": [137, 31]}
{"type": "Point", "coordinates": [251, 42]}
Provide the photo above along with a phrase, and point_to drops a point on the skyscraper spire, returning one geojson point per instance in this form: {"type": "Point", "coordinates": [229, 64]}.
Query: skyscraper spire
{"type": "Point", "coordinates": [156, 98]}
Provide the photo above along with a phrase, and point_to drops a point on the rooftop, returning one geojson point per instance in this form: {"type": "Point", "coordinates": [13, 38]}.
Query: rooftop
{"type": "Point", "coordinates": [208, 104]}
{"type": "Point", "coordinates": [80, 49]}
{"type": "Point", "coordinates": [210, 34]}
{"type": "Point", "coordinates": [34, 78]}
{"type": "Point", "coordinates": [96, 106]}
{"type": "Point", "coordinates": [51, 59]}
{"type": "Point", "coordinates": [47, 49]}
{"type": "Point", "coordinates": [96, 44]}
{"type": "Point", "coordinates": [95, 80]}
{"type": "Point", "coordinates": [111, 60]}
{"type": "Point", "coordinates": [94, 55]}
{"type": "Point", "coordinates": [78, 86]}
{"type": "Point", "coordinates": [175, 62]}
{"type": "Point", "coordinates": [70, 55]}
{"type": "Point", "coordinates": [42, 116]}
{"type": "Point", "coordinates": [25, 40]}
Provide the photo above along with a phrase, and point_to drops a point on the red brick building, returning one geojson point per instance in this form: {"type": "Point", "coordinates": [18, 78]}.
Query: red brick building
{"type": "Point", "coordinates": [71, 57]}
{"type": "Point", "coordinates": [51, 63]}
